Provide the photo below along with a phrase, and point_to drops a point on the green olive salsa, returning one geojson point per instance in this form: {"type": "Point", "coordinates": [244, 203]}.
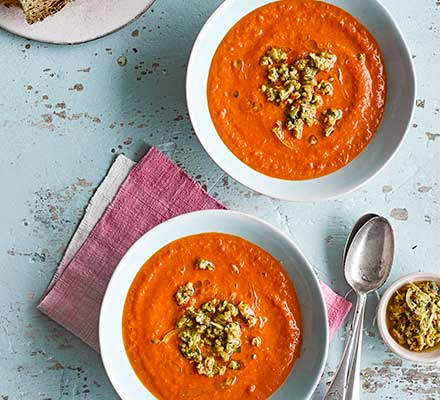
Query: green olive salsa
{"type": "Point", "coordinates": [414, 315]}
{"type": "Point", "coordinates": [210, 335]}
{"type": "Point", "coordinates": [296, 87]}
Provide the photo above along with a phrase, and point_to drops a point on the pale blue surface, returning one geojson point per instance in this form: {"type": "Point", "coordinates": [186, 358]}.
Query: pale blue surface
{"type": "Point", "coordinates": [51, 163]}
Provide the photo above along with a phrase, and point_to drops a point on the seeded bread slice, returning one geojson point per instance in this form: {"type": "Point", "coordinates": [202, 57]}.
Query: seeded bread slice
{"type": "Point", "coordinates": [10, 3]}
{"type": "Point", "coordinates": [37, 10]}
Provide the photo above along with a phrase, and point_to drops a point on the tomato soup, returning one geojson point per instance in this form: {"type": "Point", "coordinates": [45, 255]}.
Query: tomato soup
{"type": "Point", "coordinates": [218, 269]}
{"type": "Point", "coordinates": [243, 116]}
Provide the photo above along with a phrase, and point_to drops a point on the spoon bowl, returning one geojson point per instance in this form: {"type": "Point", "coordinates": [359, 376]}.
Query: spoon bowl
{"type": "Point", "coordinates": [358, 225]}
{"type": "Point", "coordinates": [370, 256]}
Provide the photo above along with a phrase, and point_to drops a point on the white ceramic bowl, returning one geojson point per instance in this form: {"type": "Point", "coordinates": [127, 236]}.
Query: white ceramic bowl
{"type": "Point", "coordinates": [308, 369]}
{"type": "Point", "coordinates": [396, 120]}
{"type": "Point", "coordinates": [78, 22]}
{"type": "Point", "coordinates": [426, 356]}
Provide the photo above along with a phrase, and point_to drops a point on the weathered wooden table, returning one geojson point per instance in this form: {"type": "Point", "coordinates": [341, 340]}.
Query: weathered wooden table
{"type": "Point", "coordinates": [66, 111]}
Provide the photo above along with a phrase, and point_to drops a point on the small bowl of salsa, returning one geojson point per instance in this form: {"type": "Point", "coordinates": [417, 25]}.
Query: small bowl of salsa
{"type": "Point", "coordinates": [301, 99]}
{"type": "Point", "coordinates": [408, 317]}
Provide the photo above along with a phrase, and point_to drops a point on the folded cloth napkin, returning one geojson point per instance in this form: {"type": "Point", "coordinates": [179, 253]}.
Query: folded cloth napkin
{"type": "Point", "coordinates": [132, 199]}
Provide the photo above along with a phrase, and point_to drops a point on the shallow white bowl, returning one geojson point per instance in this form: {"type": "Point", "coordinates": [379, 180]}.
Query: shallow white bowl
{"type": "Point", "coordinates": [398, 112]}
{"type": "Point", "coordinates": [78, 22]}
{"type": "Point", "coordinates": [426, 356]}
{"type": "Point", "coordinates": [308, 369]}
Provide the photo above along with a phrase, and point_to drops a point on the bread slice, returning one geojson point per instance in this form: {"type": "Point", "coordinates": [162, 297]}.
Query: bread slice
{"type": "Point", "coordinates": [10, 3]}
{"type": "Point", "coordinates": [37, 10]}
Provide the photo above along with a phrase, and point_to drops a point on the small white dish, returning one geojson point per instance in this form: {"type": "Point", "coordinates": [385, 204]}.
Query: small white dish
{"type": "Point", "coordinates": [308, 369]}
{"type": "Point", "coordinates": [396, 348]}
{"type": "Point", "coordinates": [78, 22]}
{"type": "Point", "coordinates": [398, 113]}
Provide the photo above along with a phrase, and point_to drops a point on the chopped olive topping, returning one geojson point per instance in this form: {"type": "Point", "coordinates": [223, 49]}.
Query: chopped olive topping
{"type": "Point", "coordinates": [235, 268]}
{"type": "Point", "coordinates": [237, 63]}
{"type": "Point", "coordinates": [325, 87]}
{"type": "Point", "coordinates": [297, 88]}
{"type": "Point", "coordinates": [201, 263]}
{"type": "Point", "coordinates": [230, 380]}
{"type": "Point", "coordinates": [247, 313]}
{"type": "Point", "coordinates": [362, 57]}
{"type": "Point", "coordinates": [328, 131]}
{"type": "Point", "coordinates": [308, 113]}
{"type": "Point", "coordinates": [253, 356]}
{"type": "Point", "coordinates": [332, 115]}
{"type": "Point", "coordinates": [414, 315]}
{"type": "Point", "coordinates": [295, 125]}
{"type": "Point", "coordinates": [234, 365]}
{"type": "Point", "coordinates": [323, 61]}
{"type": "Point", "coordinates": [263, 321]}
{"type": "Point", "coordinates": [210, 367]}
{"type": "Point", "coordinates": [313, 139]}
{"type": "Point", "coordinates": [274, 55]}
{"type": "Point", "coordinates": [184, 293]}
{"type": "Point", "coordinates": [256, 341]}
{"type": "Point", "coordinates": [210, 335]}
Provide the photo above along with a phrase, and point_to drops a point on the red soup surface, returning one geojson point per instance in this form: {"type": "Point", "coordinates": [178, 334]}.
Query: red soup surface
{"type": "Point", "coordinates": [242, 273]}
{"type": "Point", "coordinates": [244, 118]}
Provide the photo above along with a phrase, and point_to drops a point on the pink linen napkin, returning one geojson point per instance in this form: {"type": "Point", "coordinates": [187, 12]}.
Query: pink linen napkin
{"type": "Point", "coordinates": [131, 200]}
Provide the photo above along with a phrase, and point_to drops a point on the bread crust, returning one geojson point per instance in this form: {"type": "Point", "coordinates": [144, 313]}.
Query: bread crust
{"type": "Point", "coordinates": [37, 10]}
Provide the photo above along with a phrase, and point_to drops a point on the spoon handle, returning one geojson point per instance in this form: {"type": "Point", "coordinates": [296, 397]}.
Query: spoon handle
{"type": "Point", "coordinates": [353, 383]}
{"type": "Point", "coordinates": [338, 387]}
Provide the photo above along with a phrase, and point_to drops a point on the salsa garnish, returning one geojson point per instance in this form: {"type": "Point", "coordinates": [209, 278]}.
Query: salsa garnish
{"type": "Point", "coordinates": [210, 335]}
{"type": "Point", "coordinates": [184, 293]}
{"type": "Point", "coordinates": [202, 263]}
{"type": "Point", "coordinates": [414, 315]}
{"type": "Point", "coordinates": [296, 87]}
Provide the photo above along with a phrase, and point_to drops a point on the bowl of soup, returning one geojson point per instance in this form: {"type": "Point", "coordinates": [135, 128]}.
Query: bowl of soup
{"type": "Point", "coordinates": [214, 305]}
{"type": "Point", "coordinates": [301, 99]}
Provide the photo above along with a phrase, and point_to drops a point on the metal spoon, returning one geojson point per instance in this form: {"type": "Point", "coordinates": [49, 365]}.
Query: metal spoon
{"type": "Point", "coordinates": [357, 350]}
{"type": "Point", "coordinates": [367, 266]}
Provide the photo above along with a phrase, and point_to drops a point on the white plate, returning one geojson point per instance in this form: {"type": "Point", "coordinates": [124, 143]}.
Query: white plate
{"type": "Point", "coordinates": [398, 112]}
{"type": "Point", "coordinates": [428, 356]}
{"type": "Point", "coordinates": [78, 22]}
{"type": "Point", "coordinates": [308, 369]}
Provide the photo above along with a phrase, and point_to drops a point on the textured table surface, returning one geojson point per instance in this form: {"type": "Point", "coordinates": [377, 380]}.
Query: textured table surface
{"type": "Point", "coordinates": [66, 111]}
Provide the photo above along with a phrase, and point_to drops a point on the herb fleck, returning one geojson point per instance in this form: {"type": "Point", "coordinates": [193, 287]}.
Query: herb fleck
{"type": "Point", "coordinates": [313, 140]}
{"type": "Point", "coordinates": [362, 57]}
{"type": "Point", "coordinates": [230, 380]}
{"type": "Point", "coordinates": [256, 341]}
{"type": "Point", "coordinates": [234, 365]}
